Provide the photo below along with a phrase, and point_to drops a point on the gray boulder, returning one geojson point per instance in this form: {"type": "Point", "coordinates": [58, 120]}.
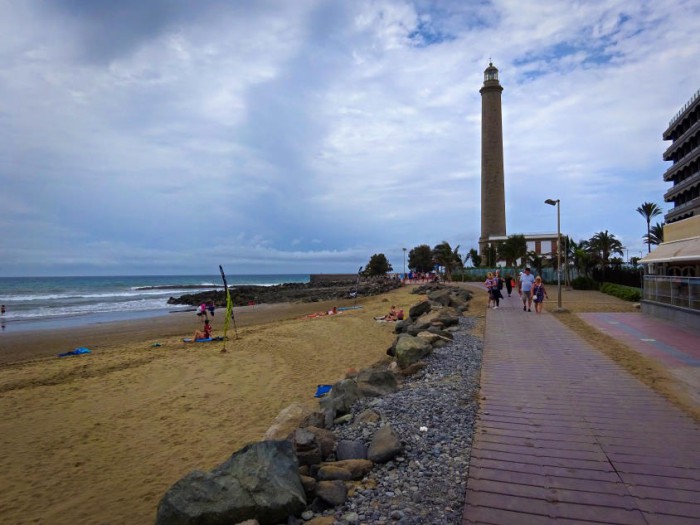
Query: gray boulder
{"type": "Point", "coordinates": [411, 349]}
{"type": "Point", "coordinates": [385, 445]}
{"type": "Point", "coordinates": [260, 481]}
{"type": "Point", "coordinates": [350, 449]}
{"type": "Point", "coordinates": [374, 382]}
{"type": "Point", "coordinates": [343, 395]}
{"type": "Point", "coordinates": [419, 309]}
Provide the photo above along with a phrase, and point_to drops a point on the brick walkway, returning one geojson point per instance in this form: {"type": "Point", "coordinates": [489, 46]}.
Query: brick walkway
{"type": "Point", "coordinates": [566, 436]}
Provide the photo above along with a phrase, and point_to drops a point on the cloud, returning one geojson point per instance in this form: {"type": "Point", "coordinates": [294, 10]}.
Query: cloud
{"type": "Point", "coordinates": [176, 136]}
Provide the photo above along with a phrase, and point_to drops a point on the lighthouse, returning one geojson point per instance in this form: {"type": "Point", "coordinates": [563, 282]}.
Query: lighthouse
{"type": "Point", "coordinates": [493, 199]}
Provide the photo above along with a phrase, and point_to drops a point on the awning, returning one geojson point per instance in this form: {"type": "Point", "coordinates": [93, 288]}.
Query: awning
{"type": "Point", "coordinates": [683, 250]}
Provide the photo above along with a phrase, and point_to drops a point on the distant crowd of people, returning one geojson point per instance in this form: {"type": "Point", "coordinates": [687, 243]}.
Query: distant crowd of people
{"type": "Point", "coordinates": [530, 289]}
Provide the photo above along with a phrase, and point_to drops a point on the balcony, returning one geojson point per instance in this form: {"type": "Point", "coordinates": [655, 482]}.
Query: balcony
{"type": "Point", "coordinates": [682, 209]}
{"type": "Point", "coordinates": [681, 140]}
{"type": "Point", "coordinates": [682, 186]}
{"type": "Point", "coordinates": [681, 163]}
{"type": "Point", "coordinates": [685, 109]}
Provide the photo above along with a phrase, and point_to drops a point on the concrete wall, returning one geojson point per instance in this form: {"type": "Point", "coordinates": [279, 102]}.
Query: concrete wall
{"type": "Point", "coordinates": [684, 229]}
{"type": "Point", "coordinates": [684, 316]}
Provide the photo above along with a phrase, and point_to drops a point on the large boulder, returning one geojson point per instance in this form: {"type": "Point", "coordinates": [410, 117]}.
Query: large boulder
{"type": "Point", "coordinates": [411, 349]}
{"type": "Point", "coordinates": [375, 382]}
{"type": "Point", "coordinates": [287, 421]}
{"type": "Point", "coordinates": [261, 481]}
{"type": "Point", "coordinates": [385, 445]}
{"type": "Point", "coordinates": [343, 395]}
{"type": "Point", "coordinates": [419, 309]}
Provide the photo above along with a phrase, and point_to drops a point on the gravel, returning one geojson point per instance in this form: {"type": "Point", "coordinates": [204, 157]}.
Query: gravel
{"type": "Point", "coordinates": [433, 413]}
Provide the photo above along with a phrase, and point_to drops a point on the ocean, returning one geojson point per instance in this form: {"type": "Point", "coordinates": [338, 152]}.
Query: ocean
{"type": "Point", "coordinates": [39, 303]}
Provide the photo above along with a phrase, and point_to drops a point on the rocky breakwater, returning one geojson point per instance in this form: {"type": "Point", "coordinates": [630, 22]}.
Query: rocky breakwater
{"type": "Point", "coordinates": [388, 444]}
{"type": "Point", "coordinates": [292, 292]}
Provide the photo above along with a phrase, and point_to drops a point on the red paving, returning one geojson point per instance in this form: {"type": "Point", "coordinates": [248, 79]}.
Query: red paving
{"type": "Point", "coordinates": [566, 436]}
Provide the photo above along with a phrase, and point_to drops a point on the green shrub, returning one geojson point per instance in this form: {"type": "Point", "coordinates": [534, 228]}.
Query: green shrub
{"type": "Point", "coordinates": [626, 293]}
{"type": "Point", "coordinates": [584, 283]}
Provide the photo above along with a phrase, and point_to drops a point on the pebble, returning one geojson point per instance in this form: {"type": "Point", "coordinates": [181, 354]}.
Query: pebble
{"type": "Point", "coordinates": [426, 485]}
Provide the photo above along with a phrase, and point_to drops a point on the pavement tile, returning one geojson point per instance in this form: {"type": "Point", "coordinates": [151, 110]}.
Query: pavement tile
{"type": "Point", "coordinates": [566, 436]}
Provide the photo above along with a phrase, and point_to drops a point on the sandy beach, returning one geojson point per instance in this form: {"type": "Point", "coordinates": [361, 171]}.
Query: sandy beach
{"type": "Point", "coordinates": [99, 438]}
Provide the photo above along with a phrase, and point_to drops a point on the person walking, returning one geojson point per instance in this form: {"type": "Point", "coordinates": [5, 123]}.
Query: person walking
{"type": "Point", "coordinates": [538, 294]}
{"type": "Point", "coordinates": [488, 283]}
{"type": "Point", "coordinates": [509, 284]}
{"type": "Point", "coordinates": [527, 280]}
{"type": "Point", "coordinates": [496, 289]}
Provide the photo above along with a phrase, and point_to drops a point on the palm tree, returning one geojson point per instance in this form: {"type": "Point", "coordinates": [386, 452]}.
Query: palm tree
{"type": "Point", "coordinates": [603, 245]}
{"type": "Point", "coordinates": [649, 210]}
{"type": "Point", "coordinates": [512, 249]}
{"type": "Point", "coordinates": [449, 259]}
{"type": "Point", "coordinates": [656, 234]}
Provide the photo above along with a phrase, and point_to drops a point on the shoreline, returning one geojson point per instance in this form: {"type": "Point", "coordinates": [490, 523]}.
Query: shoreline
{"type": "Point", "coordinates": [25, 345]}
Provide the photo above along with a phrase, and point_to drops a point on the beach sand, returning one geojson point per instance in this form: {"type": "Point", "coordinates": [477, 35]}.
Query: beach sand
{"type": "Point", "coordinates": [99, 438]}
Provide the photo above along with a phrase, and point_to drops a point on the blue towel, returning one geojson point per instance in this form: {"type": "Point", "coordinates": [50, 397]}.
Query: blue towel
{"type": "Point", "coordinates": [322, 390]}
{"type": "Point", "coordinates": [77, 351]}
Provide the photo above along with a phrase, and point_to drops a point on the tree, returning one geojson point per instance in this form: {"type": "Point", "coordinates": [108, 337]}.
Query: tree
{"type": "Point", "coordinates": [377, 265]}
{"type": "Point", "coordinates": [420, 259]}
{"type": "Point", "coordinates": [649, 210]}
{"type": "Point", "coordinates": [512, 249]}
{"type": "Point", "coordinates": [449, 259]}
{"type": "Point", "coordinates": [602, 245]}
{"type": "Point", "coordinates": [475, 257]}
{"type": "Point", "coordinates": [655, 235]}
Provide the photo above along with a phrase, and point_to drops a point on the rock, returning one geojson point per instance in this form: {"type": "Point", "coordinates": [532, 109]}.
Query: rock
{"type": "Point", "coordinates": [368, 416]}
{"type": "Point", "coordinates": [348, 449]}
{"type": "Point", "coordinates": [332, 493]}
{"type": "Point", "coordinates": [342, 419]}
{"type": "Point", "coordinates": [315, 419]}
{"type": "Point", "coordinates": [306, 447]}
{"type": "Point", "coordinates": [342, 396]}
{"type": "Point", "coordinates": [286, 421]}
{"type": "Point", "coordinates": [419, 309]}
{"type": "Point", "coordinates": [413, 368]}
{"type": "Point", "coordinates": [441, 297]}
{"type": "Point", "coordinates": [429, 337]}
{"type": "Point", "coordinates": [248, 522]}
{"type": "Point", "coordinates": [358, 468]}
{"type": "Point", "coordinates": [321, 520]}
{"type": "Point", "coordinates": [308, 483]}
{"type": "Point", "coordinates": [411, 349]}
{"type": "Point", "coordinates": [331, 472]}
{"type": "Point", "coordinates": [373, 382]}
{"type": "Point", "coordinates": [326, 440]}
{"type": "Point", "coordinates": [400, 326]}
{"type": "Point", "coordinates": [261, 481]}
{"type": "Point", "coordinates": [385, 445]}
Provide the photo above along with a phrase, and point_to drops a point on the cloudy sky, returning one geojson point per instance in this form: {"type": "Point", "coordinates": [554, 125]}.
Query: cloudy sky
{"type": "Point", "coordinates": [169, 136]}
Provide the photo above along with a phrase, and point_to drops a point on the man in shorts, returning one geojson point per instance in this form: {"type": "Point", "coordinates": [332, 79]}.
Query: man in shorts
{"type": "Point", "coordinates": [525, 288]}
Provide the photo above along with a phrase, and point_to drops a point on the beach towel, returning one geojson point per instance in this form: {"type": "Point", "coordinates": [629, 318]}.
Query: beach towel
{"type": "Point", "coordinates": [77, 351]}
{"type": "Point", "coordinates": [343, 308]}
{"type": "Point", "coordinates": [322, 390]}
{"type": "Point", "coordinates": [207, 340]}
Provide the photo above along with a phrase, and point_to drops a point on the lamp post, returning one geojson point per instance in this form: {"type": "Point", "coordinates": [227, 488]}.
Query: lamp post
{"type": "Point", "coordinates": [553, 202]}
{"type": "Point", "coordinates": [404, 265]}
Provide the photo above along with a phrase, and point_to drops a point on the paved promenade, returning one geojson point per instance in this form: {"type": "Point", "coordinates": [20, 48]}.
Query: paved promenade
{"type": "Point", "coordinates": [566, 436]}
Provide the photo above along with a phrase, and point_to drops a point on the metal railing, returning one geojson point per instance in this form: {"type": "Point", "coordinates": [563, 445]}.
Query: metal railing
{"type": "Point", "coordinates": [686, 106]}
{"type": "Point", "coordinates": [683, 292]}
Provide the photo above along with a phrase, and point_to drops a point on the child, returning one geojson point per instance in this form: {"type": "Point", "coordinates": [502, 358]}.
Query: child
{"type": "Point", "coordinates": [538, 294]}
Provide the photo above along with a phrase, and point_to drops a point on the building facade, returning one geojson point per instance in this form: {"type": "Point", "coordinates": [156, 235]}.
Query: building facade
{"type": "Point", "coordinates": [684, 133]}
{"type": "Point", "coordinates": [672, 270]}
{"type": "Point", "coordinates": [493, 199]}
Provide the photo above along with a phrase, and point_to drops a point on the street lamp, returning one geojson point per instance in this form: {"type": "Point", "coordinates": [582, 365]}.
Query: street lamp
{"type": "Point", "coordinates": [404, 265]}
{"type": "Point", "coordinates": [553, 202]}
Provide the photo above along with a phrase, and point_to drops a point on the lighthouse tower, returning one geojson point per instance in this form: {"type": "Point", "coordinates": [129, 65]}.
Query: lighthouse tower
{"type": "Point", "coordinates": [493, 199]}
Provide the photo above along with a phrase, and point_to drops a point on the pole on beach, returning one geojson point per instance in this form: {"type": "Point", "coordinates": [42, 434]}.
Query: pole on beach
{"type": "Point", "coordinates": [357, 286]}
{"type": "Point", "coordinates": [229, 310]}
